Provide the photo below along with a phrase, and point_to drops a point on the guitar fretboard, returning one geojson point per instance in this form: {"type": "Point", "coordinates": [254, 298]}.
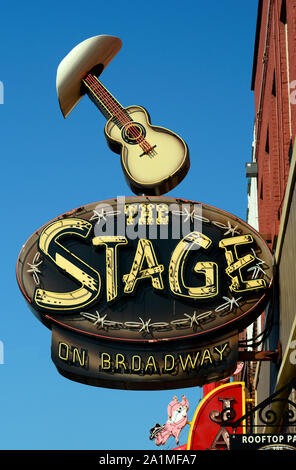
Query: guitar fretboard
{"type": "Point", "coordinates": [103, 99]}
{"type": "Point", "coordinates": [110, 108]}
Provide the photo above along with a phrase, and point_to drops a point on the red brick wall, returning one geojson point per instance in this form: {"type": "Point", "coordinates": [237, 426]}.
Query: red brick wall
{"type": "Point", "coordinates": [275, 115]}
{"type": "Point", "coordinates": [291, 13]}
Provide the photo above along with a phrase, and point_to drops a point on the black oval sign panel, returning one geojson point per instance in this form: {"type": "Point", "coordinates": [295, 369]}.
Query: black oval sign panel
{"type": "Point", "coordinates": [146, 270]}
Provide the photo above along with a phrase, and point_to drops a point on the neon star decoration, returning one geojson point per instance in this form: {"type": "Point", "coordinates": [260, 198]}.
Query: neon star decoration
{"type": "Point", "coordinates": [231, 230]}
{"type": "Point", "coordinates": [257, 269]}
{"type": "Point", "coordinates": [229, 304]}
{"type": "Point", "coordinates": [34, 268]}
{"type": "Point", "coordinates": [102, 214]}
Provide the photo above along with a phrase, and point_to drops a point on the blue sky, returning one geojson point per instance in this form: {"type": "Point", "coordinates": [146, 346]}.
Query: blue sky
{"type": "Point", "coordinates": [189, 63]}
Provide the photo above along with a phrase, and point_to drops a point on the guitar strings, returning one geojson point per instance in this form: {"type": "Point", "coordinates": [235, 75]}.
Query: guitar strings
{"type": "Point", "coordinates": [121, 116]}
{"type": "Point", "coordinates": [104, 93]}
{"type": "Point", "coordinates": [95, 85]}
{"type": "Point", "coordinates": [125, 119]}
{"type": "Point", "coordinates": [92, 87]}
{"type": "Point", "coordinates": [113, 105]}
{"type": "Point", "coordinates": [99, 88]}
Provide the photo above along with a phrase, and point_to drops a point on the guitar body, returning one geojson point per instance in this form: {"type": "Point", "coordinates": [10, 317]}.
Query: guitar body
{"type": "Point", "coordinates": [154, 159]}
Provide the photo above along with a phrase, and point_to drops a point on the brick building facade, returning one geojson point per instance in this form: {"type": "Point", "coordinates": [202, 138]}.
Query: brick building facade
{"type": "Point", "coordinates": [274, 71]}
{"type": "Point", "coordinates": [272, 194]}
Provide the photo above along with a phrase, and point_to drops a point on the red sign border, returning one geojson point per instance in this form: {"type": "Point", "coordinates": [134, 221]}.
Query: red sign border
{"type": "Point", "coordinates": [206, 400]}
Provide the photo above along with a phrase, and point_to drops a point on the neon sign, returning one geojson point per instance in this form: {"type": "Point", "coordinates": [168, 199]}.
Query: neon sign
{"type": "Point", "coordinates": [168, 277]}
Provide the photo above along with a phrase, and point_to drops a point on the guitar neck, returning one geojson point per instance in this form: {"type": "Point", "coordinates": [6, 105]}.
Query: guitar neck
{"type": "Point", "coordinates": [104, 101]}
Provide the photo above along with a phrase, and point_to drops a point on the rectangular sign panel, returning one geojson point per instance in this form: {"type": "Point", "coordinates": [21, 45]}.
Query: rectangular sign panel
{"type": "Point", "coordinates": [263, 442]}
{"type": "Point", "coordinates": [142, 366]}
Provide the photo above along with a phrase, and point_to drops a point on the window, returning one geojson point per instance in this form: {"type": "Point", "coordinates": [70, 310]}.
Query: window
{"type": "Point", "coordinates": [290, 151]}
{"type": "Point", "coordinates": [261, 189]}
{"type": "Point", "coordinates": [267, 141]}
{"type": "Point", "coordinates": [273, 91]}
{"type": "Point", "coordinates": [283, 14]}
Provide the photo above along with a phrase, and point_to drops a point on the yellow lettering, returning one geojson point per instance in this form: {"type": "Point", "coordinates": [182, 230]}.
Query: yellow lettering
{"type": "Point", "coordinates": [162, 214]}
{"type": "Point", "coordinates": [146, 214]}
{"type": "Point", "coordinates": [171, 359]}
{"type": "Point", "coordinates": [77, 357]}
{"type": "Point", "coordinates": [49, 244]}
{"type": "Point", "coordinates": [63, 351]}
{"type": "Point", "coordinates": [206, 357]}
{"type": "Point", "coordinates": [208, 269]}
{"type": "Point", "coordinates": [111, 243]}
{"type": "Point", "coordinates": [130, 210]}
{"type": "Point", "coordinates": [119, 361]}
{"type": "Point", "coordinates": [151, 363]}
{"type": "Point", "coordinates": [144, 252]}
{"type": "Point", "coordinates": [134, 368]}
{"type": "Point", "coordinates": [235, 264]}
{"type": "Point", "coordinates": [189, 361]}
{"type": "Point", "coordinates": [216, 348]}
{"type": "Point", "coordinates": [105, 361]}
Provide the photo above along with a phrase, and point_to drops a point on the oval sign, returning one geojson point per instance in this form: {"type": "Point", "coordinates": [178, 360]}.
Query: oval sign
{"type": "Point", "coordinates": [144, 269]}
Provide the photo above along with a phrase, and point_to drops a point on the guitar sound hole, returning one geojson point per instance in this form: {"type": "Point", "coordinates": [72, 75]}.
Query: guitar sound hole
{"type": "Point", "coordinates": [133, 133]}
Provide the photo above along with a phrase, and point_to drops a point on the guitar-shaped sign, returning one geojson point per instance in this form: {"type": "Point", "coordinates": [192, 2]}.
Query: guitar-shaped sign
{"type": "Point", "coordinates": [154, 159]}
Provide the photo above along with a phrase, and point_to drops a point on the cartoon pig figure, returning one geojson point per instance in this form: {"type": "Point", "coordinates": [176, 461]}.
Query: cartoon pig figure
{"type": "Point", "coordinates": [177, 420]}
